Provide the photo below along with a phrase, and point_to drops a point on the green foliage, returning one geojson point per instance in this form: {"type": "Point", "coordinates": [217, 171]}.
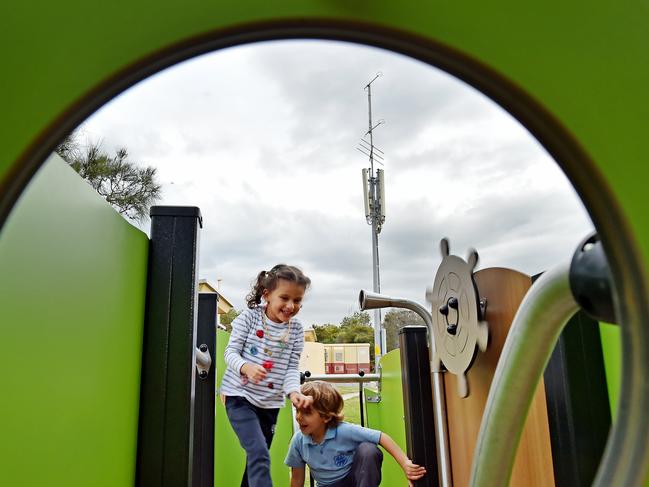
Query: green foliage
{"type": "Point", "coordinates": [326, 333]}
{"type": "Point", "coordinates": [226, 319]}
{"type": "Point", "coordinates": [358, 318]}
{"type": "Point", "coordinates": [396, 319]}
{"type": "Point", "coordinates": [353, 329]}
{"type": "Point", "coordinates": [130, 189]}
{"type": "Point", "coordinates": [354, 333]}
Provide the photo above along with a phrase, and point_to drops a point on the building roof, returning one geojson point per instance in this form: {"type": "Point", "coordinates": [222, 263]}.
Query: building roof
{"type": "Point", "coordinates": [205, 287]}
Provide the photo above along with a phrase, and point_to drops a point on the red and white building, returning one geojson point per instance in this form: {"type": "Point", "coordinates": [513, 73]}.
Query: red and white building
{"type": "Point", "coordinates": [347, 358]}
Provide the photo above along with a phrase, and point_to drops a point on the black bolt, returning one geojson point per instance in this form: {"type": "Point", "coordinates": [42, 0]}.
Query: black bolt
{"type": "Point", "coordinates": [443, 309]}
{"type": "Point", "coordinates": [361, 373]}
{"type": "Point", "coordinates": [203, 348]}
{"type": "Point", "coordinates": [202, 374]}
{"type": "Point", "coordinates": [452, 302]}
{"type": "Point", "coordinates": [451, 329]}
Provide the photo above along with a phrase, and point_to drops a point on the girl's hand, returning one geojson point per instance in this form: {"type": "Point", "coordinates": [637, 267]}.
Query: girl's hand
{"type": "Point", "coordinates": [413, 471]}
{"type": "Point", "coordinates": [254, 372]}
{"type": "Point", "coordinates": [299, 400]}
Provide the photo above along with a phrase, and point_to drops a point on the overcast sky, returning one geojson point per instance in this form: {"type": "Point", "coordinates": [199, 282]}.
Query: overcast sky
{"type": "Point", "coordinates": [263, 139]}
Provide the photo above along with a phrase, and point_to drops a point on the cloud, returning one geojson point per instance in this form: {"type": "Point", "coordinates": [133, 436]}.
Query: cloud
{"type": "Point", "coordinates": [262, 138]}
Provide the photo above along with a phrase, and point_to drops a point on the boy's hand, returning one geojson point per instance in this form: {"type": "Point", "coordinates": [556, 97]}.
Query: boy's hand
{"type": "Point", "coordinates": [299, 400]}
{"type": "Point", "coordinates": [254, 372]}
{"type": "Point", "coordinates": [413, 471]}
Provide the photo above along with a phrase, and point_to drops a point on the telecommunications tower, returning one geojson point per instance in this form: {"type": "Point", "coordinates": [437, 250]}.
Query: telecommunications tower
{"type": "Point", "coordinates": [374, 199]}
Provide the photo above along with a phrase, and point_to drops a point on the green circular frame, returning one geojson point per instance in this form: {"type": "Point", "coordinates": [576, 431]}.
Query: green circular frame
{"type": "Point", "coordinates": [573, 77]}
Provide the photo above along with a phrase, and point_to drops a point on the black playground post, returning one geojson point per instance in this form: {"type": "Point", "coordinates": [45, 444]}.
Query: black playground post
{"type": "Point", "coordinates": [205, 393]}
{"type": "Point", "coordinates": [579, 415]}
{"type": "Point", "coordinates": [166, 422]}
{"type": "Point", "coordinates": [418, 402]}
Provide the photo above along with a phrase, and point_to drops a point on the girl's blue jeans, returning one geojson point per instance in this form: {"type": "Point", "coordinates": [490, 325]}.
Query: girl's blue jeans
{"type": "Point", "coordinates": [254, 426]}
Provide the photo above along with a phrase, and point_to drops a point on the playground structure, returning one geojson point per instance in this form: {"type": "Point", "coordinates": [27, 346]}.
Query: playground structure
{"type": "Point", "coordinates": [77, 395]}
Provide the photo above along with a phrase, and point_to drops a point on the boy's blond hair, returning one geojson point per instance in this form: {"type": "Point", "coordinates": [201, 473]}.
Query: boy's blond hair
{"type": "Point", "coordinates": [327, 401]}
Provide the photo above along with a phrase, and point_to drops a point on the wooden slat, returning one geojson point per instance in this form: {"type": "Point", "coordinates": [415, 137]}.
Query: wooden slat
{"type": "Point", "coordinates": [504, 290]}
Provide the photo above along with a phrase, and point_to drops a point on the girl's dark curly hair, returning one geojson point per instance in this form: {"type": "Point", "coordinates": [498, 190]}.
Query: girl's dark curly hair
{"type": "Point", "coordinates": [267, 281]}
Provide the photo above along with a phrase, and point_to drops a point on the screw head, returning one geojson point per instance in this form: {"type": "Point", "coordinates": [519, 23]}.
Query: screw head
{"type": "Point", "coordinates": [202, 374]}
{"type": "Point", "coordinates": [203, 348]}
{"type": "Point", "coordinates": [451, 329]}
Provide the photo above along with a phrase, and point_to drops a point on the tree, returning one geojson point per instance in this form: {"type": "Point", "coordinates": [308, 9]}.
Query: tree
{"type": "Point", "coordinates": [395, 320]}
{"type": "Point", "coordinates": [226, 319]}
{"type": "Point", "coordinates": [130, 189]}
{"type": "Point", "coordinates": [326, 333]}
{"type": "Point", "coordinates": [358, 318]}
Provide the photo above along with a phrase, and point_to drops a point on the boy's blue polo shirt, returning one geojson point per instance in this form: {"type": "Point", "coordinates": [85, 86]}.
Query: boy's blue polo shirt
{"type": "Point", "coordinates": [332, 459]}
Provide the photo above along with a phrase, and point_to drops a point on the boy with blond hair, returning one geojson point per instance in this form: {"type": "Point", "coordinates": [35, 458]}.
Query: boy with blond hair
{"type": "Point", "coordinates": [339, 454]}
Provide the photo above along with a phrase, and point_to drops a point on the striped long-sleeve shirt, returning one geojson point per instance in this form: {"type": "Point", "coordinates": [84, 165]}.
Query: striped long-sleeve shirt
{"type": "Point", "coordinates": [251, 342]}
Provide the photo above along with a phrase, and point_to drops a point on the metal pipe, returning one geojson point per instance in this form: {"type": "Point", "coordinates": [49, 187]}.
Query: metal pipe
{"type": "Point", "coordinates": [544, 312]}
{"type": "Point", "coordinates": [344, 378]}
{"type": "Point", "coordinates": [372, 301]}
{"type": "Point", "coordinates": [361, 403]}
{"type": "Point", "coordinates": [441, 429]}
{"type": "Point", "coordinates": [369, 300]}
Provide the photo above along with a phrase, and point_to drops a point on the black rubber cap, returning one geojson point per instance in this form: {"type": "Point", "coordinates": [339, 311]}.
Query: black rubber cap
{"type": "Point", "coordinates": [590, 280]}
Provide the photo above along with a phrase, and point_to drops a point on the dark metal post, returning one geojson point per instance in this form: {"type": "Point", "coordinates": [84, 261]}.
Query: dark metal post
{"type": "Point", "coordinates": [204, 395]}
{"type": "Point", "coordinates": [418, 402]}
{"type": "Point", "coordinates": [360, 398]}
{"type": "Point", "coordinates": [579, 415]}
{"type": "Point", "coordinates": [303, 376]}
{"type": "Point", "coordinates": [165, 438]}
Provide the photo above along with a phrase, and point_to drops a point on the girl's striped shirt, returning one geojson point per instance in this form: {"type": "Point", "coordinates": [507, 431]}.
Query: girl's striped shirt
{"type": "Point", "coordinates": [251, 342]}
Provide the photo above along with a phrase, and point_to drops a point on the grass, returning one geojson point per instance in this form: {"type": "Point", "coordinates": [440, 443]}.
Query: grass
{"type": "Point", "coordinates": [346, 388]}
{"type": "Point", "coordinates": [352, 410]}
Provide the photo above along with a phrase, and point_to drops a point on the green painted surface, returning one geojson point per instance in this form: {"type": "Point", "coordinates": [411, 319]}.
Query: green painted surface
{"type": "Point", "coordinates": [229, 457]}
{"type": "Point", "coordinates": [388, 416]}
{"type": "Point", "coordinates": [72, 291]}
{"type": "Point", "coordinates": [612, 350]}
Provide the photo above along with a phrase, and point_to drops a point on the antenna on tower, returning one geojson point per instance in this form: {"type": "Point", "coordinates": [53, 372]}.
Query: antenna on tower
{"type": "Point", "coordinates": [374, 205]}
{"type": "Point", "coordinates": [373, 182]}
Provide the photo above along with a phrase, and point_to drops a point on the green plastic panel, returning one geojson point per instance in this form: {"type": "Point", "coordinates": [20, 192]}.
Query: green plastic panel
{"type": "Point", "coordinates": [612, 350]}
{"type": "Point", "coordinates": [229, 457]}
{"type": "Point", "coordinates": [388, 415]}
{"type": "Point", "coordinates": [72, 290]}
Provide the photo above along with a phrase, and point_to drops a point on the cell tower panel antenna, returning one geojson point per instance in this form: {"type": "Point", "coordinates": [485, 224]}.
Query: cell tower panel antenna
{"type": "Point", "coordinates": [380, 175]}
{"type": "Point", "coordinates": [366, 193]}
